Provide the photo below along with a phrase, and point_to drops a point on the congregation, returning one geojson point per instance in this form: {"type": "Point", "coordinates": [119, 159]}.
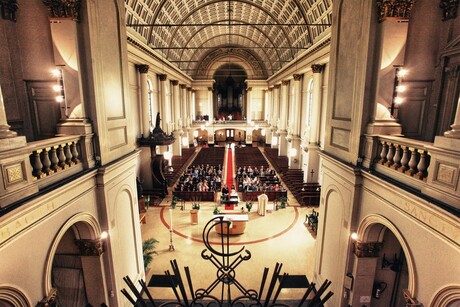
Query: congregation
{"type": "Point", "coordinates": [258, 179]}
{"type": "Point", "coordinates": [201, 178]}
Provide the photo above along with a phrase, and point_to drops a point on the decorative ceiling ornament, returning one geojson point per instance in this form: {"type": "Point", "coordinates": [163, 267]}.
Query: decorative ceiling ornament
{"type": "Point", "coordinates": [397, 9]}
{"type": "Point", "coordinates": [8, 9]}
{"type": "Point", "coordinates": [449, 9]}
{"type": "Point", "coordinates": [64, 9]}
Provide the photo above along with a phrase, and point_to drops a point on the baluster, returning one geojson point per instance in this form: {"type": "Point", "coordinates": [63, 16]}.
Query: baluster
{"type": "Point", "coordinates": [390, 155]}
{"type": "Point", "coordinates": [422, 166]}
{"type": "Point", "coordinates": [61, 157]}
{"type": "Point", "coordinates": [68, 154]}
{"type": "Point", "coordinates": [412, 162]}
{"type": "Point", "coordinates": [36, 164]}
{"type": "Point", "coordinates": [54, 159]}
{"type": "Point", "coordinates": [397, 158]}
{"type": "Point", "coordinates": [383, 153]}
{"type": "Point", "coordinates": [74, 151]}
{"type": "Point", "coordinates": [45, 161]}
{"type": "Point", "coordinates": [405, 160]}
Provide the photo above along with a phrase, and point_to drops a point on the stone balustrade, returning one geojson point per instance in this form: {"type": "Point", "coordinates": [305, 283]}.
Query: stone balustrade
{"type": "Point", "coordinates": [27, 170]}
{"type": "Point", "coordinates": [424, 166]}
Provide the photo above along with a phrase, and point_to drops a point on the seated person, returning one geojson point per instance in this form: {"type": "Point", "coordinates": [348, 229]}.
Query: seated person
{"type": "Point", "coordinates": [225, 190]}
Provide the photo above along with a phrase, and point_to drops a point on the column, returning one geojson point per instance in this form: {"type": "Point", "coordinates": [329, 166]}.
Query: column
{"type": "Point", "coordinates": [176, 114]}
{"type": "Point", "coordinates": [185, 116]}
{"type": "Point", "coordinates": [276, 115]}
{"type": "Point", "coordinates": [210, 104]}
{"type": "Point", "coordinates": [295, 139]}
{"type": "Point", "coordinates": [163, 103]}
{"type": "Point", "coordinates": [146, 124]}
{"type": "Point", "coordinates": [5, 131]}
{"type": "Point", "coordinates": [313, 161]}
{"type": "Point", "coordinates": [390, 46]}
{"type": "Point", "coordinates": [269, 116]}
{"type": "Point", "coordinates": [282, 129]}
{"type": "Point", "coordinates": [177, 132]}
{"type": "Point", "coordinates": [249, 106]}
{"type": "Point", "coordinates": [455, 131]}
{"type": "Point", "coordinates": [364, 267]}
{"type": "Point", "coordinates": [91, 253]}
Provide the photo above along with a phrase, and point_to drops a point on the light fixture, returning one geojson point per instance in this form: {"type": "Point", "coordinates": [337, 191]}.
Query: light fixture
{"type": "Point", "coordinates": [263, 132]}
{"type": "Point", "coordinates": [185, 141]}
{"type": "Point", "coordinates": [293, 152]}
{"type": "Point", "coordinates": [167, 155]}
{"type": "Point", "coordinates": [59, 87]}
{"type": "Point", "coordinates": [354, 236]}
{"type": "Point", "coordinates": [400, 72]}
{"type": "Point", "coordinates": [195, 133]}
{"type": "Point", "coordinates": [104, 235]}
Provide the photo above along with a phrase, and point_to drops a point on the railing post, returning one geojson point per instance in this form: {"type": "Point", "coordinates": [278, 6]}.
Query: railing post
{"type": "Point", "coordinates": [404, 160]}
{"type": "Point", "coordinates": [383, 153]}
{"type": "Point", "coordinates": [45, 161]}
{"type": "Point", "coordinates": [68, 154]}
{"type": "Point", "coordinates": [37, 164]}
{"type": "Point", "coordinates": [61, 157]}
{"type": "Point", "coordinates": [412, 162]}
{"type": "Point", "coordinates": [422, 166]}
{"type": "Point", "coordinates": [390, 155]}
{"type": "Point", "coordinates": [54, 159]}
{"type": "Point", "coordinates": [397, 157]}
{"type": "Point", "coordinates": [74, 151]}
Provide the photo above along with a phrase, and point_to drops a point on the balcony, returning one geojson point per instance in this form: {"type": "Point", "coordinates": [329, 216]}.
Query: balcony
{"type": "Point", "coordinates": [428, 169]}
{"type": "Point", "coordinates": [28, 170]}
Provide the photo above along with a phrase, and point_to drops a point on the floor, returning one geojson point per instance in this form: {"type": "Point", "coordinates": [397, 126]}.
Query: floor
{"type": "Point", "coordinates": [278, 237]}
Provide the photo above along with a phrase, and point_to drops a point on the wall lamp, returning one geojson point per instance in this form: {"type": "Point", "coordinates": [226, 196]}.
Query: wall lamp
{"type": "Point", "coordinates": [398, 88]}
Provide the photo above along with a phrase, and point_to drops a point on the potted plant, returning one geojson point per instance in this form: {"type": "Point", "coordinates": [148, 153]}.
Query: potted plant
{"type": "Point", "coordinates": [249, 206]}
{"type": "Point", "coordinates": [196, 206]}
{"type": "Point", "coordinates": [174, 201]}
{"type": "Point", "coordinates": [216, 210]}
{"type": "Point", "coordinates": [283, 200]}
{"type": "Point", "coordinates": [148, 250]}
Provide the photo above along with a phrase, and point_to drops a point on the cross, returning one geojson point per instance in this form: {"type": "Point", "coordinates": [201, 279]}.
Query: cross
{"type": "Point", "coordinates": [312, 172]}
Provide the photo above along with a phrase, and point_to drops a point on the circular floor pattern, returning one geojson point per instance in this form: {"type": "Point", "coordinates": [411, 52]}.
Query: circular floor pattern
{"type": "Point", "coordinates": [280, 221]}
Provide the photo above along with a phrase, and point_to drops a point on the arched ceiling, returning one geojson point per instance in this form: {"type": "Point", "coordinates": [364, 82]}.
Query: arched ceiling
{"type": "Point", "coordinates": [190, 32]}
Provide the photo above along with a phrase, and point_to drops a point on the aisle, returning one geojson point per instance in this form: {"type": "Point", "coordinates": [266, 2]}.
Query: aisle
{"type": "Point", "coordinates": [229, 169]}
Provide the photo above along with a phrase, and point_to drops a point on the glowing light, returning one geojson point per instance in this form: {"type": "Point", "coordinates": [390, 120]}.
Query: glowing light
{"type": "Point", "coordinates": [195, 133]}
{"type": "Point", "coordinates": [185, 141]}
{"type": "Point", "coordinates": [354, 236]}
{"type": "Point", "coordinates": [263, 132]}
{"type": "Point", "coordinates": [402, 72]}
{"type": "Point", "coordinates": [56, 73]}
{"type": "Point", "coordinates": [59, 98]}
{"type": "Point", "coordinates": [274, 140]}
{"type": "Point", "coordinates": [104, 235]}
{"type": "Point", "coordinates": [292, 152]}
{"type": "Point", "coordinates": [399, 100]}
{"type": "Point", "coordinates": [401, 88]}
{"type": "Point", "coordinates": [202, 127]}
{"type": "Point", "coordinates": [57, 88]}
{"type": "Point", "coordinates": [167, 155]}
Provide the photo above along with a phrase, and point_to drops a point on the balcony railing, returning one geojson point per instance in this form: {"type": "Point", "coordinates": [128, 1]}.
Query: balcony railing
{"type": "Point", "coordinates": [419, 165]}
{"type": "Point", "coordinates": [29, 169]}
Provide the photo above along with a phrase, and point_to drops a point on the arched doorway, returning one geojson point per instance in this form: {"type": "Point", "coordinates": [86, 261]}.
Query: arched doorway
{"type": "Point", "coordinates": [75, 266]}
{"type": "Point", "coordinates": [12, 297]}
{"type": "Point", "coordinates": [382, 253]}
{"type": "Point", "coordinates": [230, 87]}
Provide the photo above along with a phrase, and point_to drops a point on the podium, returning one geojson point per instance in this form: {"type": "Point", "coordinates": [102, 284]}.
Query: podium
{"type": "Point", "coordinates": [263, 200]}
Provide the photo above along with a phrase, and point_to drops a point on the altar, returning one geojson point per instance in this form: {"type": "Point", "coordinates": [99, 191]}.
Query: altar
{"type": "Point", "coordinates": [237, 224]}
{"type": "Point", "coordinates": [230, 203]}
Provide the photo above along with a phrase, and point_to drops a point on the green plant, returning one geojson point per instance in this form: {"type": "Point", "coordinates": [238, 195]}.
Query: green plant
{"type": "Point", "coordinates": [148, 250]}
{"type": "Point", "coordinates": [196, 206]}
{"type": "Point", "coordinates": [283, 200]}
{"type": "Point", "coordinates": [216, 210]}
{"type": "Point", "coordinates": [249, 206]}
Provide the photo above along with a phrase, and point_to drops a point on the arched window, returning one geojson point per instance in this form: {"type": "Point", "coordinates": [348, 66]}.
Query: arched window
{"type": "Point", "coordinates": [309, 101]}
{"type": "Point", "coordinates": [150, 99]}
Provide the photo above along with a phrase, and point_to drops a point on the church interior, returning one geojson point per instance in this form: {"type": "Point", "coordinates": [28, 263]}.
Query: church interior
{"type": "Point", "coordinates": [230, 152]}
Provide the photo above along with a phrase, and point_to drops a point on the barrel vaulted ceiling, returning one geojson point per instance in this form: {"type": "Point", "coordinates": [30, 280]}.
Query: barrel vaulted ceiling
{"type": "Point", "coordinates": [197, 35]}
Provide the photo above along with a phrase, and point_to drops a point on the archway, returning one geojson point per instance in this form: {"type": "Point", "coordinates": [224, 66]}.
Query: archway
{"type": "Point", "coordinates": [229, 88]}
{"type": "Point", "coordinates": [74, 267]}
{"type": "Point", "coordinates": [393, 270]}
{"type": "Point", "coordinates": [11, 297]}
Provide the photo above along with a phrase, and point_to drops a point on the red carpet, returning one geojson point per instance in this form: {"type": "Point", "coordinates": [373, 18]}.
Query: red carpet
{"type": "Point", "coordinates": [229, 169]}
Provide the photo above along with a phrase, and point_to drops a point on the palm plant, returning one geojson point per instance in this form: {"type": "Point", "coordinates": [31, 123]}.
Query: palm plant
{"type": "Point", "coordinates": [148, 250]}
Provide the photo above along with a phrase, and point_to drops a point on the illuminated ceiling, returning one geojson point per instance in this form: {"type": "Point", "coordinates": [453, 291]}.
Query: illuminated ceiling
{"type": "Point", "coordinates": [195, 35]}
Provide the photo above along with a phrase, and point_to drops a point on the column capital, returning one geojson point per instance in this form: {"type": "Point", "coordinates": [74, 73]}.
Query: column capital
{"type": "Point", "coordinates": [189, 88]}
{"type": "Point", "coordinates": [183, 86]}
{"type": "Point", "coordinates": [367, 249]}
{"type": "Point", "coordinates": [142, 68]}
{"type": "Point", "coordinates": [175, 82]}
{"type": "Point", "coordinates": [449, 9]}
{"type": "Point", "coordinates": [285, 82]}
{"type": "Point", "coordinates": [9, 9]}
{"type": "Point", "coordinates": [163, 77]}
{"type": "Point", "coordinates": [89, 247]}
{"type": "Point", "coordinates": [277, 86]}
{"type": "Point", "coordinates": [318, 68]}
{"type": "Point", "coordinates": [210, 89]}
{"type": "Point", "coordinates": [249, 89]}
{"type": "Point", "coordinates": [63, 9]}
{"type": "Point", "coordinates": [297, 77]}
{"type": "Point", "coordinates": [396, 9]}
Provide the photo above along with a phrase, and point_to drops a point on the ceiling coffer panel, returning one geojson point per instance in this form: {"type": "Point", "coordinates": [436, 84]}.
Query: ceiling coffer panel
{"type": "Point", "coordinates": [186, 32]}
